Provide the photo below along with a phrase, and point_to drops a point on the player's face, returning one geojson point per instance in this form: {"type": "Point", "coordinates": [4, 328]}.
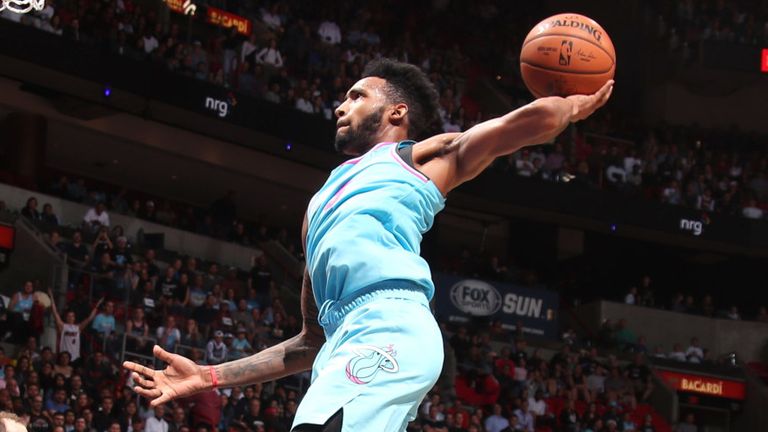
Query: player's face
{"type": "Point", "coordinates": [360, 117]}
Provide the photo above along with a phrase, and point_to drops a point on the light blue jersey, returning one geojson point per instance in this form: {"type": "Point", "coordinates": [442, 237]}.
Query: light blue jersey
{"type": "Point", "coordinates": [383, 351]}
{"type": "Point", "coordinates": [365, 226]}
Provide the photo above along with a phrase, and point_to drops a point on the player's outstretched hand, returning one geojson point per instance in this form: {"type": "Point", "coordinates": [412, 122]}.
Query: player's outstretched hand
{"type": "Point", "coordinates": [182, 377]}
{"type": "Point", "coordinates": [585, 105]}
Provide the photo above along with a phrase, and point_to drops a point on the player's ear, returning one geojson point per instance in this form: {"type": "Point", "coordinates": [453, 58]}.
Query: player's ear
{"type": "Point", "coordinates": [397, 113]}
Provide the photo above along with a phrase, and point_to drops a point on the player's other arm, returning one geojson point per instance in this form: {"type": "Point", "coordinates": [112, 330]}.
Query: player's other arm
{"type": "Point", "coordinates": [182, 377]}
{"type": "Point", "coordinates": [289, 357]}
{"type": "Point", "coordinates": [451, 159]}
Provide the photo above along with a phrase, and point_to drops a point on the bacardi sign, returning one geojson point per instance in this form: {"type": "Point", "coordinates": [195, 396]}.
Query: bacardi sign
{"type": "Point", "coordinates": [704, 385]}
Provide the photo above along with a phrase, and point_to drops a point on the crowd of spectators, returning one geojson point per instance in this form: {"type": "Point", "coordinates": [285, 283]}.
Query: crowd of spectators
{"type": "Point", "coordinates": [684, 24]}
{"type": "Point", "coordinates": [643, 294]}
{"type": "Point", "coordinates": [219, 220]}
{"type": "Point", "coordinates": [307, 56]}
{"type": "Point", "coordinates": [515, 388]}
{"type": "Point", "coordinates": [712, 172]}
{"type": "Point", "coordinates": [300, 55]}
{"type": "Point", "coordinates": [210, 317]}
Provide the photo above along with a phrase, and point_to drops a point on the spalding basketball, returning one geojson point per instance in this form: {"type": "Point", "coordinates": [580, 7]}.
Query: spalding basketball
{"type": "Point", "coordinates": [567, 54]}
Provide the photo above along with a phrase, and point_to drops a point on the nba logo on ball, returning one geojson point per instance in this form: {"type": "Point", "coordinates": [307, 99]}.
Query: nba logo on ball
{"type": "Point", "coordinates": [475, 297]}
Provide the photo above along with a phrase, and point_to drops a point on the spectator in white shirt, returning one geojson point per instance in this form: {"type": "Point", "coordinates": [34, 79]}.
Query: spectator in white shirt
{"type": "Point", "coordinates": [270, 55]}
{"type": "Point", "coordinates": [677, 353]}
{"type": "Point", "coordinates": [752, 211]}
{"type": "Point", "coordinates": [271, 17]}
{"type": "Point", "coordinates": [537, 404]}
{"type": "Point", "coordinates": [157, 423]}
{"type": "Point", "coordinates": [97, 217]}
{"type": "Point", "coordinates": [525, 417]}
{"type": "Point", "coordinates": [303, 103]}
{"type": "Point", "coordinates": [733, 313]}
{"type": "Point", "coordinates": [150, 43]}
{"type": "Point", "coordinates": [329, 32]}
{"type": "Point", "coordinates": [631, 297]}
{"type": "Point", "coordinates": [496, 422]}
{"type": "Point", "coordinates": [694, 353]}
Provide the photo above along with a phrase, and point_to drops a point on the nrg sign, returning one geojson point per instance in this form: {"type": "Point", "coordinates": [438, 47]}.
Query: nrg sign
{"type": "Point", "coordinates": [222, 107]}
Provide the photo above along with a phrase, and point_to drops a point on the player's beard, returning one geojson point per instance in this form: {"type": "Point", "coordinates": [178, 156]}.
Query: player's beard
{"type": "Point", "coordinates": [356, 140]}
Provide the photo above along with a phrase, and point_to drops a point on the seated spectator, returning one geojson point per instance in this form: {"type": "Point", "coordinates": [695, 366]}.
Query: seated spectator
{"type": "Point", "coordinates": [496, 422]}
{"type": "Point", "coordinates": [216, 350]}
{"type": "Point", "coordinates": [57, 403]}
{"type": "Point", "coordinates": [104, 324]}
{"type": "Point", "coordinates": [329, 32]}
{"type": "Point", "coordinates": [687, 425]}
{"type": "Point", "coordinates": [733, 313]}
{"type": "Point", "coordinates": [137, 332]}
{"type": "Point", "coordinates": [103, 279]}
{"type": "Point", "coordinates": [168, 335]}
{"type": "Point", "coordinates": [240, 346]}
{"type": "Point", "coordinates": [631, 297]}
{"type": "Point", "coordinates": [694, 353]}
{"type": "Point", "coordinates": [48, 217]}
{"type": "Point", "coordinates": [19, 312]}
{"type": "Point", "coordinates": [677, 353]}
{"type": "Point", "coordinates": [96, 217]}
{"type": "Point", "coordinates": [77, 252]}
{"type": "Point", "coordinates": [191, 336]}
{"type": "Point", "coordinates": [30, 210]}
{"type": "Point", "coordinates": [206, 314]}
{"type": "Point", "coordinates": [752, 211]}
{"type": "Point", "coordinates": [762, 314]}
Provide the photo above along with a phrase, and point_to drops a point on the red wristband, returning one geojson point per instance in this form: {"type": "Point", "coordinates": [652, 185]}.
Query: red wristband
{"type": "Point", "coordinates": [214, 378]}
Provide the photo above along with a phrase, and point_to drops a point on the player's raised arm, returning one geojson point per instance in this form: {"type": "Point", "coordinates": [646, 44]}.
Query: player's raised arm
{"type": "Point", "coordinates": [182, 377]}
{"type": "Point", "coordinates": [452, 159]}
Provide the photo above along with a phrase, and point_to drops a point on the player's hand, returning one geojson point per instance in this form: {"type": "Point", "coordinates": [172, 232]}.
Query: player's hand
{"type": "Point", "coordinates": [182, 377]}
{"type": "Point", "coordinates": [585, 105]}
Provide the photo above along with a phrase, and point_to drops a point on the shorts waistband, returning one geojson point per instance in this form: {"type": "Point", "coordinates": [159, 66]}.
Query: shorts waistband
{"type": "Point", "coordinates": [333, 312]}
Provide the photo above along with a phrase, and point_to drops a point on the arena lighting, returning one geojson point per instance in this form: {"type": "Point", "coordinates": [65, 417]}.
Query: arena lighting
{"type": "Point", "coordinates": [107, 91]}
{"type": "Point", "coordinates": [288, 146]}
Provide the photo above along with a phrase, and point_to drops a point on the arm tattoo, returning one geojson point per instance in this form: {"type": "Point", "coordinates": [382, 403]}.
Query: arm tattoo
{"type": "Point", "coordinates": [288, 357]}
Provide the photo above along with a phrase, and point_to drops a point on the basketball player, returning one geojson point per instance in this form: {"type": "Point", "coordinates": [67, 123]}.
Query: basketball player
{"type": "Point", "coordinates": [368, 334]}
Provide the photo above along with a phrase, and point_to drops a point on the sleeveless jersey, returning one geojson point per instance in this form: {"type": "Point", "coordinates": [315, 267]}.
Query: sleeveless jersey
{"type": "Point", "coordinates": [366, 223]}
{"type": "Point", "coordinates": [69, 340]}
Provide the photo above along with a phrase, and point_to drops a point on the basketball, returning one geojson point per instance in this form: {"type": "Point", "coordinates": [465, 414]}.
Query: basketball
{"type": "Point", "coordinates": [567, 54]}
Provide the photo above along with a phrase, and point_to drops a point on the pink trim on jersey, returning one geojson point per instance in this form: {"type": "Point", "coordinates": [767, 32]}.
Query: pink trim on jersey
{"type": "Point", "coordinates": [357, 159]}
{"type": "Point", "coordinates": [335, 198]}
{"type": "Point", "coordinates": [402, 163]}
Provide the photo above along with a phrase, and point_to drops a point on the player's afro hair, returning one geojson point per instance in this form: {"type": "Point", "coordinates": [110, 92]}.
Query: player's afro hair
{"type": "Point", "coordinates": [409, 85]}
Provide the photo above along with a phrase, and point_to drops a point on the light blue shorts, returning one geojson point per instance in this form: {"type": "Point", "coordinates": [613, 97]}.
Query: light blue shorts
{"type": "Point", "coordinates": [383, 353]}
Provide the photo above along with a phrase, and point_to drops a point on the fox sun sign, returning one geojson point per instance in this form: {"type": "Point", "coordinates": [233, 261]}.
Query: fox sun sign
{"type": "Point", "coordinates": [460, 300]}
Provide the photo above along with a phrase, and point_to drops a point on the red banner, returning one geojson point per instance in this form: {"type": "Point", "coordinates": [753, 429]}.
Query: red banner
{"type": "Point", "coordinates": [7, 237]}
{"type": "Point", "coordinates": [225, 19]}
{"type": "Point", "coordinates": [703, 385]}
{"type": "Point", "coordinates": [186, 7]}
{"type": "Point", "coordinates": [175, 5]}
{"type": "Point", "coordinates": [764, 60]}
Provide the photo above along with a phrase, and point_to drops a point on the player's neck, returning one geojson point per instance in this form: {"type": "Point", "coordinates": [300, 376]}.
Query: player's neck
{"type": "Point", "coordinates": [389, 133]}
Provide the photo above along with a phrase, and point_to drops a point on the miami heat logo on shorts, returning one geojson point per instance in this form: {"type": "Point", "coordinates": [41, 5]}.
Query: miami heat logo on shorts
{"type": "Point", "coordinates": [369, 360]}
